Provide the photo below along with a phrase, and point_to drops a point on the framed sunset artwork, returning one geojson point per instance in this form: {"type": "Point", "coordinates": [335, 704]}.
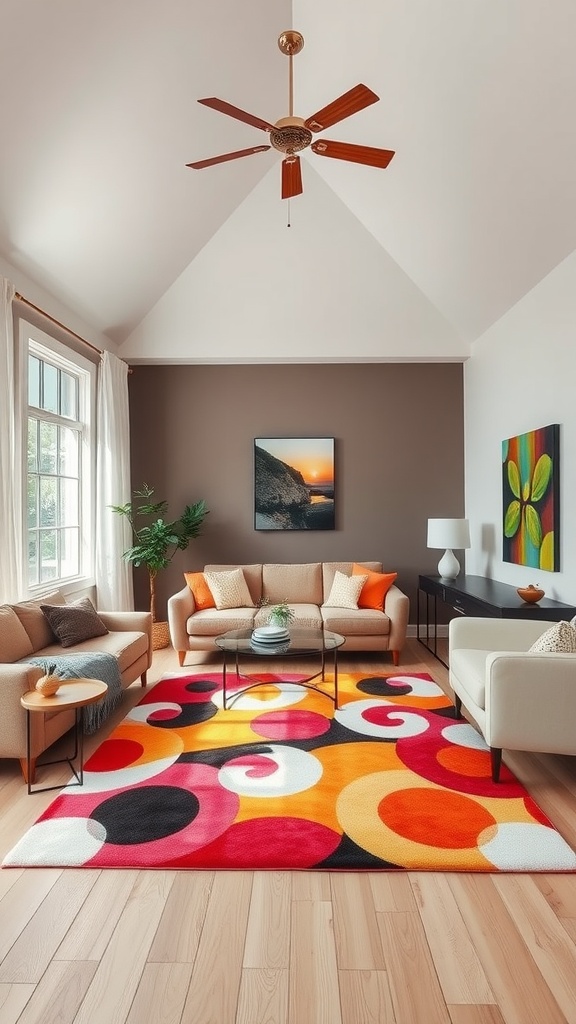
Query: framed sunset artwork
{"type": "Point", "coordinates": [294, 483]}
{"type": "Point", "coordinates": [531, 498]}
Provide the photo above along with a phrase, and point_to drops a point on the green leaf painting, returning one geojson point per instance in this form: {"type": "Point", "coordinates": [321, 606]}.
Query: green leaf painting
{"type": "Point", "coordinates": [530, 498]}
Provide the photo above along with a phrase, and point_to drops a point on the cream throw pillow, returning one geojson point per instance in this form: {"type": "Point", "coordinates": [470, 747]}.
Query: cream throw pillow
{"type": "Point", "coordinates": [558, 639]}
{"type": "Point", "coordinates": [345, 591]}
{"type": "Point", "coordinates": [229, 589]}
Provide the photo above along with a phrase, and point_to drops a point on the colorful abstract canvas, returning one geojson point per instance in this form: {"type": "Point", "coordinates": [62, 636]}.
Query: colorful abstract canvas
{"type": "Point", "coordinates": [531, 498]}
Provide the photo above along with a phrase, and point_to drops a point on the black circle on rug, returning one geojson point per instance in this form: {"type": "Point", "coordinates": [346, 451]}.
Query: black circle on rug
{"type": "Point", "coordinates": [189, 714]}
{"type": "Point", "coordinates": [201, 686]}
{"type": "Point", "coordinates": [143, 815]}
{"type": "Point", "coordinates": [378, 686]}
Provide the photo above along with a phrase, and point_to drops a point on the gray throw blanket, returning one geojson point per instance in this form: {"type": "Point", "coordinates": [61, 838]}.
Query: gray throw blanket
{"type": "Point", "coordinates": [91, 665]}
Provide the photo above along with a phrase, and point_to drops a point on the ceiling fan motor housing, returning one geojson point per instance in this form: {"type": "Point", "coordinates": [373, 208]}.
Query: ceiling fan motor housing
{"type": "Point", "coordinates": [290, 135]}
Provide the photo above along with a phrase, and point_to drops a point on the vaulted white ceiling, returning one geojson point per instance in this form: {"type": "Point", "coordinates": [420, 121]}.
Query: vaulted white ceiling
{"type": "Point", "coordinates": [99, 119]}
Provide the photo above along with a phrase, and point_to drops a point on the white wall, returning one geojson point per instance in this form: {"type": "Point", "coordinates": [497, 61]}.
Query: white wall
{"type": "Point", "coordinates": [522, 375]}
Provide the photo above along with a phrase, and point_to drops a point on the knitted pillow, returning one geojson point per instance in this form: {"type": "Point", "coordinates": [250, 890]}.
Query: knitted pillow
{"type": "Point", "coordinates": [229, 589]}
{"type": "Point", "coordinates": [345, 591]}
{"type": "Point", "coordinates": [75, 622]}
{"type": "Point", "coordinates": [558, 639]}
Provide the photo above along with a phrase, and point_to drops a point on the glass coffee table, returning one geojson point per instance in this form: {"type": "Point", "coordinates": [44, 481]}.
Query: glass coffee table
{"type": "Point", "coordinates": [304, 642]}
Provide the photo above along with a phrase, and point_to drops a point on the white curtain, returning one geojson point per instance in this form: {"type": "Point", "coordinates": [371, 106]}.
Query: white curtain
{"type": "Point", "coordinates": [113, 574]}
{"type": "Point", "coordinates": [12, 574]}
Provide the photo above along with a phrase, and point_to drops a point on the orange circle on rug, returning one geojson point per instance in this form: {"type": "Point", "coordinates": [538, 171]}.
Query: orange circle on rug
{"type": "Point", "coordinates": [464, 761]}
{"type": "Point", "coordinates": [445, 820]}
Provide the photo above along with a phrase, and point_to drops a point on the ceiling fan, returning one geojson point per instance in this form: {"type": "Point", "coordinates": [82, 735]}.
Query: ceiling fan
{"type": "Point", "coordinates": [290, 135]}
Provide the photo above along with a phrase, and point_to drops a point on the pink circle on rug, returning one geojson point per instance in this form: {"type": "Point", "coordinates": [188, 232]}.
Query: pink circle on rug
{"type": "Point", "coordinates": [281, 843]}
{"type": "Point", "coordinates": [164, 714]}
{"type": "Point", "coordinates": [290, 725]}
{"type": "Point", "coordinates": [114, 754]}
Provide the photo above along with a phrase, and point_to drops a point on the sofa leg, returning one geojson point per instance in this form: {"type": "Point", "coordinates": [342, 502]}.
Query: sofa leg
{"type": "Point", "coordinates": [143, 679]}
{"type": "Point", "coordinates": [181, 656]}
{"type": "Point", "coordinates": [24, 767]}
{"type": "Point", "coordinates": [457, 706]}
{"type": "Point", "coordinates": [396, 657]}
{"type": "Point", "coordinates": [496, 761]}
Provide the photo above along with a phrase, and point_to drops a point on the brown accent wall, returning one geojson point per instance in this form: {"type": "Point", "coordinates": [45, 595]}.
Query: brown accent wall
{"type": "Point", "coordinates": [399, 432]}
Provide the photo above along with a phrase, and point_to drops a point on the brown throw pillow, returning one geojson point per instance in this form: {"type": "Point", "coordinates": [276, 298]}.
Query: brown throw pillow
{"type": "Point", "coordinates": [75, 622]}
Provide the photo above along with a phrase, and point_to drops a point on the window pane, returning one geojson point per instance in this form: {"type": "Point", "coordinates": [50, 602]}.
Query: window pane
{"type": "Point", "coordinates": [48, 439]}
{"type": "Point", "coordinates": [68, 395]}
{"type": "Point", "coordinates": [68, 503]}
{"type": "Point", "coordinates": [34, 381]}
{"type": "Point", "coordinates": [50, 389]}
{"type": "Point", "coordinates": [69, 552]}
{"type": "Point", "coordinates": [68, 451]}
{"type": "Point", "coordinates": [48, 555]}
{"type": "Point", "coordinates": [32, 502]}
{"type": "Point", "coordinates": [48, 501]}
{"type": "Point", "coordinates": [32, 559]}
{"type": "Point", "coordinates": [33, 445]}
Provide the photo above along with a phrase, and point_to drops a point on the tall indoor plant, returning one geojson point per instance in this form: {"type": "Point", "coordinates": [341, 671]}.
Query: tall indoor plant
{"type": "Point", "coordinates": [156, 541]}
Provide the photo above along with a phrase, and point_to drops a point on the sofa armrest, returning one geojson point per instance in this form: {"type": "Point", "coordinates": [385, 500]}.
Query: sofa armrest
{"type": "Point", "coordinates": [397, 608]}
{"type": "Point", "coordinates": [130, 622]}
{"type": "Point", "coordinates": [487, 634]}
{"type": "Point", "coordinates": [15, 680]}
{"type": "Point", "coordinates": [531, 701]}
{"type": "Point", "coordinates": [180, 607]}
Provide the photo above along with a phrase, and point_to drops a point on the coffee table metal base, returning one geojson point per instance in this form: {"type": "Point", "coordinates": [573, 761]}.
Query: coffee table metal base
{"type": "Point", "coordinates": [307, 682]}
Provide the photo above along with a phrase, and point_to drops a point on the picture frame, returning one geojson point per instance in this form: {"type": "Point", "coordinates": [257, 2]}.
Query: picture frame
{"type": "Point", "coordinates": [531, 498]}
{"type": "Point", "coordinates": [294, 483]}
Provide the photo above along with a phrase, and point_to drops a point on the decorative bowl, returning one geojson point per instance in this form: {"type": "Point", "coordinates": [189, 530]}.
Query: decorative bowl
{"type": "Point", "coordinates": [530, 594]}
{"type": "Point", "coordinates": [48, 685]}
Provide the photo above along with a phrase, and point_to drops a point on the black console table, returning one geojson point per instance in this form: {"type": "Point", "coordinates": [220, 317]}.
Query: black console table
{"type": "Point", "coordinates": [476, 595]}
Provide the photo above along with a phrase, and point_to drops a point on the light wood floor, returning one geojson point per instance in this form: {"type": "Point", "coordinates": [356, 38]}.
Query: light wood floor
{"type": "Point", "coordinates": [201, 947]}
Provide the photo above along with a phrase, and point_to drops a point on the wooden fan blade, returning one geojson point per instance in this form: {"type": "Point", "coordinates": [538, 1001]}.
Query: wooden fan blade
{"type": "Point", "coordinates": [240, 115]}
{"type": "Point", "coordinates": [356, 154]}
{"type": "Point", "coordinates": [291, 177]}
{"type": "Point", "coordinates": [227, 156]}
{"type": "Point", "coordinates": [350, 103]}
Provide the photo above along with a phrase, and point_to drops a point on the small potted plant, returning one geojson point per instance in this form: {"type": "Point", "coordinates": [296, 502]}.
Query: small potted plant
{"type": "Point", "coordinates": [281, 615]}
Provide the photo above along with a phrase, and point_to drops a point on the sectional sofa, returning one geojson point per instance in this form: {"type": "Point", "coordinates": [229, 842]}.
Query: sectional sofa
{"type": "Point", "coordinates": [306, 588]}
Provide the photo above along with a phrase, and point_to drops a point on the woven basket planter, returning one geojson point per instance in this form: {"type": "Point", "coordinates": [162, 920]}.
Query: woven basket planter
{"type": "Point", "coordinates": [160, 636]}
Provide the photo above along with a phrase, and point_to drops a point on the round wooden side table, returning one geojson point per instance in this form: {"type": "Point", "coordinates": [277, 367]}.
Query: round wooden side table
{"type": "Point", "coordinates": [72, 694]}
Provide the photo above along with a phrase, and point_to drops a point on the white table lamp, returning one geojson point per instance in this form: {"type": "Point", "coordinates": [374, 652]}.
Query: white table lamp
{"type": "Point", "coordinates": [448, 534]}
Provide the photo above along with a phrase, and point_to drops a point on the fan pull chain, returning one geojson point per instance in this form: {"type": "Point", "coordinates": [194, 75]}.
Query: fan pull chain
{"type": "Point", "coordinates": [288, 224]}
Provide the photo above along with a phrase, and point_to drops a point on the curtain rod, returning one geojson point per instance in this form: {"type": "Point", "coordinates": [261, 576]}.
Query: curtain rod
{"type": "Point", "coordinates": [21, 298]}
{"type": "Point", "coordinates": [58, 323]}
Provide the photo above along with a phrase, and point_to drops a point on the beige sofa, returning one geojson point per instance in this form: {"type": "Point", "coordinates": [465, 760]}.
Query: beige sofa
{"type": "Point", "coordinates": [305, 587]}
{"type": "Point", "coordinates": [520, 699]}
{"type": "Point", "coordinates": [24, 632]}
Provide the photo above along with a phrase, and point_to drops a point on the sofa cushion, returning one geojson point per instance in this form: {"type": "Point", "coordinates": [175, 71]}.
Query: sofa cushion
{"type": "Point", "coordinates": [14, 640]}
{"type": "Point", "coordinates": [345, 591]}
{"type": "Point", "coordinates": [75, 622]}
{"type": "Point", "coordinates": [203, 596]}
{"type": "Point", "coordinates": [558, 639]}
{"type": "Point", "coordinates": [126, 645]}
{"type": "Point", "coordinates": [468, 665]}
{"type": "Point", "coordinates": [213, 621]}
{"type": "Point", "coordinates": [294, 583]}
{"type": "Point", "coordinates": [361, 622]}
{"type": "Point", "coordinates": [34, 621]}
{"type": "Point", "coordinates": [230, 589]}
{"type": "Point", "coordinates": [377, 585]}
{"type": "Point", "coordinates": [252, 575]}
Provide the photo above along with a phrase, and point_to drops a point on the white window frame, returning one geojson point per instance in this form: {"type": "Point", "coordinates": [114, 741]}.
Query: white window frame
{"type": "Point", "coordinates": [36, 342]}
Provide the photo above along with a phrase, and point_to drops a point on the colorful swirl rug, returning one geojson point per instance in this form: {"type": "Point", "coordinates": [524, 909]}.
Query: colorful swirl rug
{"type": "Point", "coordinates": [282, 781]}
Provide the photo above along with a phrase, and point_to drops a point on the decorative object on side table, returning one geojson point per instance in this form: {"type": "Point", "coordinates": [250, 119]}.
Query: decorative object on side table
{"type": "Point", "coordinates": [448, 534]}
{"type": "Point", "coordinates": [530, 594]}
{"type": "Point", "coordinates": [157, 541]}
{"type": "Point", "coordinates": [48, 684]}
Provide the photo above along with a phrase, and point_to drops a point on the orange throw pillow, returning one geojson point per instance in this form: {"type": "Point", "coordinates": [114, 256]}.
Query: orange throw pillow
{"type": "Point", "coordinates": [376, 587]}
{"type": "Point", "coordinates": [203, 597]}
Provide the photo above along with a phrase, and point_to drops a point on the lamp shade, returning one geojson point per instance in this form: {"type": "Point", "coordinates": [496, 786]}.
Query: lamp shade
{"type": "Point", "coordinates": [448, 534]}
